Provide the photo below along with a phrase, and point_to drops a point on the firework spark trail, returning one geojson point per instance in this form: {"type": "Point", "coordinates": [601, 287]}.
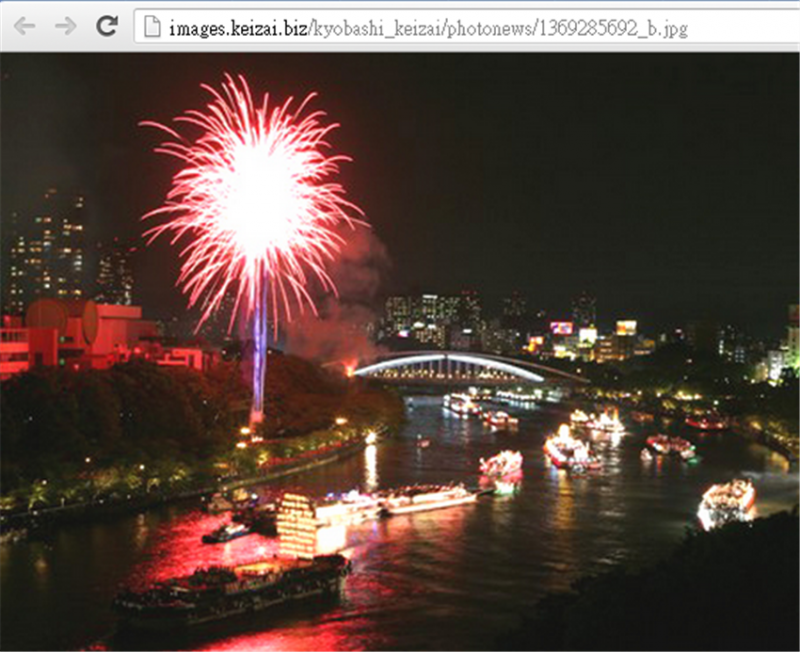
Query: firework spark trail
{"type": "Point", "coordinates": [257, 210]}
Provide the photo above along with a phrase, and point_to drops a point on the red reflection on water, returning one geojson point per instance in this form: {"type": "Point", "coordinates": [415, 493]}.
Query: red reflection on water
{"type": "Point", "coordinates": [376, 586]}
{"type": "Point", "coordinates": [178, 550]}
{"type": "Point", "coordinates": [324, 636]}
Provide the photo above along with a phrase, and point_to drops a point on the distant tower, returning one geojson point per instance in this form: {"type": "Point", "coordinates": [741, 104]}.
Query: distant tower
{"type": "Point", "coordinates": [584, 311]}
{"type": "Point", "coordinates": [115, 273]}
{"type": "Point", "coordinates": [47, 251]}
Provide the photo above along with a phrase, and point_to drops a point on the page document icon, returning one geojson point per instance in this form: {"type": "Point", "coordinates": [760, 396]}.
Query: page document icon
{"type": "Point", "coordinates": [152, 27]}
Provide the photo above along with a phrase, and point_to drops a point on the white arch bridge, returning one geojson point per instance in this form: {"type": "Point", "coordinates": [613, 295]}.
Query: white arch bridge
{"type": "Point", "coordinates": [455, 367]}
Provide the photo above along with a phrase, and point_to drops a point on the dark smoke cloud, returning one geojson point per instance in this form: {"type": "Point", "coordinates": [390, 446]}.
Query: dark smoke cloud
{"type": "Point", "coordinates": [340, 333]}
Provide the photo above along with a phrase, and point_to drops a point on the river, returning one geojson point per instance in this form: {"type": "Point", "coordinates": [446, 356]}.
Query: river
{"type": "Point", "coordinates": [448, 579]}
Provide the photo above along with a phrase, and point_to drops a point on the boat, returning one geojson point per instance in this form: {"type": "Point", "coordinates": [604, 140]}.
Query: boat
{"type": "Point", "coordinates": [420, 498]}
{"type": "Point", "coordinates": [606, 422]}
{"type": "Point", "coordinates": [567, 452]}
{"type": "Point", "coordinates": [423, 442]}
{"type": "Point", "coordinates": [239, 499]}
{"type": "Point", "coordinates": [707, 422]}
{"type": "Point", "coordinates": [503, 464]}
{"type": "Point", "coordinates": [462, 404]}
{"type": "Point", "coordinates": [218, 592]}
{"type": "Point", "coordinates": [665, 445]}
{"type": "Point", "coordinates": [578, 418]}
{"type": "Point", "coordinates": [726, 503]}
{"type": "Point", "coordinates": [347, 508]}
{"type": "Point", "coordinates": [682, 447]}
{"type": "Point", "coordinates": [642, 417]}
{"type": "Point", "coordinates": [261, 519]}
{"type": "Point", "coordinates": [500, 419]}
{"type": "Point", "coordinates": [659, 443]}
{"type": "Point", "coordinates": [227, 532]}
{"type": "Point", "coordinates": [218, 503]}
{"type": "Point", "coordinates": [646, 455]}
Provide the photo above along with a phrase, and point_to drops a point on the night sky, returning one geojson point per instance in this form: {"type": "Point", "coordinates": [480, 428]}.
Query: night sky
{"type": "Point", "coordinates": [665, 185]}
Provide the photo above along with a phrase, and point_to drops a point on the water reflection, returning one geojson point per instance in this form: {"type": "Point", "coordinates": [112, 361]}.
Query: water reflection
{"type": "Point", "coordinates": [371, 468]}
{"type": "Point", "coordinates": [447, 579]}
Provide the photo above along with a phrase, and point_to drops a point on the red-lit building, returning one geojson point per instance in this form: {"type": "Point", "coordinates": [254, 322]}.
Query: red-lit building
{"type": "Point", "coordinates": [82, 334]}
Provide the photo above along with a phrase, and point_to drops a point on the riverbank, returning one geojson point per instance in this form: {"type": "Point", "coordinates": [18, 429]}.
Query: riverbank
{"type": "Point", "coordinates": [15, 527]}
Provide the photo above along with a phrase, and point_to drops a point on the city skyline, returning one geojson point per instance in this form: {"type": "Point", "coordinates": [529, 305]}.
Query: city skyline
{"type": "Point", "coordinates": [460, 195]}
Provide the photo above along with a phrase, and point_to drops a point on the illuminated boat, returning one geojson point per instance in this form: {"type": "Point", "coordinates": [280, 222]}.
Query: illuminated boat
{"type": "Point", "coordinates": [567, 452]}
{"type": "Point", "coordinates": [500, 419]}
{"type": "Point", "coordinates": [642, 417]}
{"type": "Point", "coordinates": [707, 422]}
{"type": "Point", "coordinates": [681, 447]}
{"type": "Point", "coordinates": [664, 445]}
{"type": "Point", "coordinates": [606, 422]}
{"type": "Point", "coordinates": [227, 532]}
{"type": "Point", "coordinates": [421, 498]}
{"type": "Point", "coordinates": [345, 509]}
{"type": "Point", "coordinates": [503, 464]}
{"type": "Point", "coordinates": [726, 503]}
{"type": "Point", "coordinates": [646, 455]}
{"type": "Point", "coordinates": [216, 593]}
{"type": "Point", "coordinates": [660, 444]}
{"type": "Point", "coordinates": [579, 418]}
{"type": "Point", "coordinates": [239, 499]}
{"type": "Point", "coordinates": [462, 404]}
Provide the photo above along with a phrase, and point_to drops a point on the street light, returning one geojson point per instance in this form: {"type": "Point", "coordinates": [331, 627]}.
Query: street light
{"type": "Point", "coordinates": [340, 421]}
{"type": "Point", "coordinates": [244, 430]}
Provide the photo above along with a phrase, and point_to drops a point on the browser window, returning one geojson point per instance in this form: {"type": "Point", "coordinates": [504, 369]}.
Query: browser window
{"type": "Point", "coordinates": [399, 324]}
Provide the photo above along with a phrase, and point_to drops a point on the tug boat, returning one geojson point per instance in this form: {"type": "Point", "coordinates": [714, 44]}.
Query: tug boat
{"type": "Point", "coordinates": [501, 465]}
{"type": "Point", "coordinates": [708, 422]}
{"type": "Point", "coordinates": [227, 532]}
{"type": "Point", "coordinates": [218, 592]}
{"type": "Point", "coordinates": [567, 452]}
{"type": "Point", "coordinates": [462, 404]}
{"type": "Point", "coordinates": [500, 419]}
{"type": "Point", "coordinates": [421, 498]}
{"type": "Point", "coordinates": [726, 503]}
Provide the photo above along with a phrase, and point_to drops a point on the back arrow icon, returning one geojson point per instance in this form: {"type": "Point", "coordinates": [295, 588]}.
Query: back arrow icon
{"type": "Point", "coordinates": [69, 26]}
{"type": "Point", "coordinates": [21, 25]}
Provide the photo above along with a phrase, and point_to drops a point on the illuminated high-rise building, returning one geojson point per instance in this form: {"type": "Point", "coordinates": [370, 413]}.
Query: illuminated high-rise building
{"type": "Point", "coordinates": [471, 310]}
{"type": "Point", "coordinates": [46, 258]}
{"type": "Point", "coordinates": [793, 338]}
{"type": "Point", "coordinates": [398, 315]}
{"type": "Point", "coordinates": [115, 273]}
{"type": "Point", "coordinates": [432, 313]}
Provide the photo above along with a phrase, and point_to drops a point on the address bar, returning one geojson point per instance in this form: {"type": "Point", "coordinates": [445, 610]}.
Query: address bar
{"type": "Point", "coordinates": [373, 25]}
